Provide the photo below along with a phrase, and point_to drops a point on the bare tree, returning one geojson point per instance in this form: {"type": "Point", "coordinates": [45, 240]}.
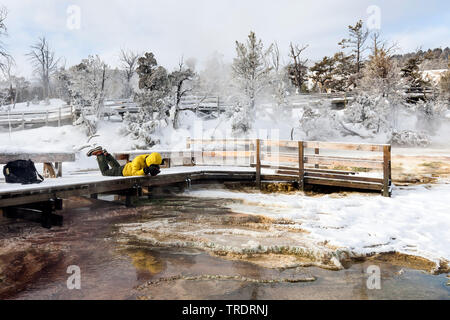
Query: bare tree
{"type": "Point", "coordinates": [279, 77]}
{"type": "Point", "coordinates": [44, 63]}
{"type": "Point", "coordinates": [129, 60]}
{"type": "Point", "coordinates": [379, 44]}
{"type": "Point", "coordinates": [5, 58]}
{"type": "Point", "coordinates": [356, 41]}
{"type": "Point", "coordinates": [297, 68]}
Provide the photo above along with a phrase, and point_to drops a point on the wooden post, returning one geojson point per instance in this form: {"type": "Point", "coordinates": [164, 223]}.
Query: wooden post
{"type": "Point", "coordinates": [218, 107]}
{"type": "Point", "coordinates": [59, 117]}
{"type": "Point", "coordinates": [235, 149]}
{"type": "Point", "coordinates": [9, 125]}
{"type": "Point", "coordinates": [301, 165]}
{"type": "Point", "coordinates": [316, 151]}
{"type": "Point", "coordinates": [251, 148]}
{"type": "Point", "coordinates": [188, 143]}
{"type": "Point", "coordinates": [59, 169]}
{"type": "Point", "coordinates": [224, 152]}
{"type": "Point", "coordinates": [386, 170]}
{"type": "Point", "coordinates": [258, 163]}
{"type": "Point", "coordinates": [46, 118]}
{"type": "Point", "coordinates": [23, 121]}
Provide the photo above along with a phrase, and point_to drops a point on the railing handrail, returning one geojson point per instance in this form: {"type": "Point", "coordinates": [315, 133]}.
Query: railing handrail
{"type": "Point", "coordinates": [299, 158]}
{"type": "Point", "coordinates": [34, 112]}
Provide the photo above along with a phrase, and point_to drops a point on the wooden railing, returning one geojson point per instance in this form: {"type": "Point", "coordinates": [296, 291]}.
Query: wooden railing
{"type": "Point", "coordinates": [308, 162]}
{"type": "Point", "coordinates": [36, 117]}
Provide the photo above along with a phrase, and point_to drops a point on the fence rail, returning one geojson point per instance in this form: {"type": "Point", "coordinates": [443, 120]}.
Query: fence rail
{"type": "Point", "coordinates": [35, 117]}
{"type": "Point", "coordinates": [307, 162]}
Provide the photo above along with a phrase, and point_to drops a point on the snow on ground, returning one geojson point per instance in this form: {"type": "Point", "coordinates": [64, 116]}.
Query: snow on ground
{"type": "Point", "coordinates": [41, 106]}
{"type": "Point", "coordinates": [414, 221]}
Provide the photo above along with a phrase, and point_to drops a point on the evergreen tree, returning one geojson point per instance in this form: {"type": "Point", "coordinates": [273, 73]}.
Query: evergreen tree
{"type": "Point", "coordinates": [86, 85]}
{"type": "Point", "coordinates": [153, 101]}
{"type": "Point", "coordinates": [381, 74]}
{"type": "Point", "coordinates": [414, 81]}
{"type": "Point", "coordinates": [356, 42]}
{"type": "Point", "coordinates": [322, 73]}
{"type": "Point", "coordinates": [342, 77]}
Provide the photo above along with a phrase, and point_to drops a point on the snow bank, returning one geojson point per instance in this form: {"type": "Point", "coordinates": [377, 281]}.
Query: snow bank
{"type": "Point", "coordinates": [414, 221]}
{"type": "Point", "coordinates": [54, 104]}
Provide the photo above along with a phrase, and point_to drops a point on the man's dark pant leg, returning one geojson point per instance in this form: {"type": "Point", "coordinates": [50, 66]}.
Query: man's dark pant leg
{"type": "Point", "coordinates": [112, 161]}
{"type": "Point", "coordinates": [105, 169]}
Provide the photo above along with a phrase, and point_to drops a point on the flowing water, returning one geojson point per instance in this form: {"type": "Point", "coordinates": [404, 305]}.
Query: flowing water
{"type": "Point", "coordinates": [180, 247]}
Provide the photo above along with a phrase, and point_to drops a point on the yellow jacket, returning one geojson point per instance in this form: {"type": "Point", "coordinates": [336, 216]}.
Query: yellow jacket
{"type": "Point", "coordinates": [136, 167]}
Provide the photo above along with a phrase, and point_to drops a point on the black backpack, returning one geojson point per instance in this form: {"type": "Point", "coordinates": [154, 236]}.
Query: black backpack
{"type": "Point", "coordinates": [21, 171]}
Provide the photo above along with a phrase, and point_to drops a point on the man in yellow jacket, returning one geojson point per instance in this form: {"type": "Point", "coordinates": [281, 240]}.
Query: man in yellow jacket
{"type": "Point", "coordinates": [140, 166]}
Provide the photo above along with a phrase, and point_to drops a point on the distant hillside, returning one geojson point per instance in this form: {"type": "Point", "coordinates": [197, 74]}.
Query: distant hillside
{"type": "Point", "coordinates": [434, 59]}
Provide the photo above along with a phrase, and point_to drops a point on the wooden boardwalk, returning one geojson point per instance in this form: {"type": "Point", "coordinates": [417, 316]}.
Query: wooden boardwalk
{"type": "Point", "coordinates": [303, 163]}
{"type": "Point", "coordinates": [348, 165]}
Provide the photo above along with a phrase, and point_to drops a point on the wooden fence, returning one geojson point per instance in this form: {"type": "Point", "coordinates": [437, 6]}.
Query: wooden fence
{"type": "Point", "coordinates": [356, 165]}
{"type": "Point", "coordinates": [20, 119]}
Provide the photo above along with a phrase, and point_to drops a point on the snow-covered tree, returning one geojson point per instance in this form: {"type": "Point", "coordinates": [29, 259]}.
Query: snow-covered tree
{"type": "Point", "coordinates": [370, 114]}
{"type": "Point", "coordinates": [21, 85]}
{"type": "Point", "coordinates": [61, 81]}
{"type": "Point", "coordinates": [251, 74]}
{"type": "Point", "coordinates": [153, 100]}
{"type": "Point", "coordinates": [178, 80]}
{"type": "Point", "coordinates": [117, 85]}
{"type": "Point", "coordinates": [409, 138]}
{"type": "Point", "coordinates": [319, 123]}
{"type": "Point", "coordinates": [128, 60]}
{"type": "Point", "coordinates": [381, 75]}
{"type": "Point", "coordinates": [279, 80]}
{"type": "Point", "coordinates": [87, 91]}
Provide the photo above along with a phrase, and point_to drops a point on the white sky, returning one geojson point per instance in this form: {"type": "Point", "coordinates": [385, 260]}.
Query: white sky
{"type": "Point", "coordinates": [197, 28]}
